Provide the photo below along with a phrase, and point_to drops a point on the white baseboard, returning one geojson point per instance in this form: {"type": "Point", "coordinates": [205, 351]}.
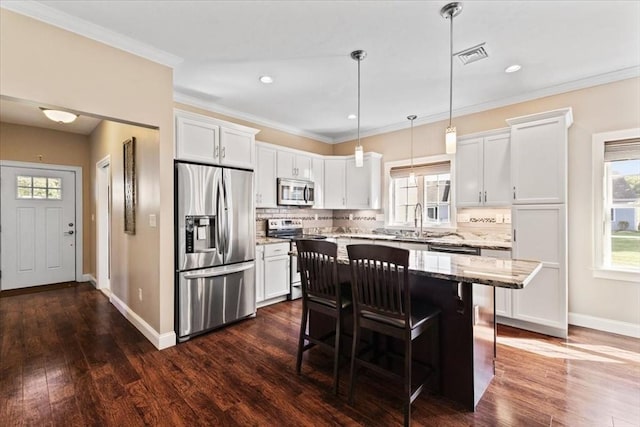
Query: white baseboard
{"type": "Point", "coordinates": [89, 278]}
{"type": "Point", "coordinates": [160, 341]}
{"type": "Point", "coordinates": [606, 325]}
{"type": "Point", "coordinates": [534, 327]}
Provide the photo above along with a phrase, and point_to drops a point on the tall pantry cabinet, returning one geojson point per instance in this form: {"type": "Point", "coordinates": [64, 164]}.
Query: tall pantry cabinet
{"type": "Point", "coordinates": [539, 216]}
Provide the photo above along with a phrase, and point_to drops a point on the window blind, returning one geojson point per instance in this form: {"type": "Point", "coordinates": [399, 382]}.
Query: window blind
{"type": "Point", "coordinates": [626, 149]}
{"type": "Point", "coordinates": [421, 170]}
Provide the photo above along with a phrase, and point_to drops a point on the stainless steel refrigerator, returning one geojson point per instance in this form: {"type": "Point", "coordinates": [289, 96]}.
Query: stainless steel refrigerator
{"type": "Point", "coordinates": [215, 247]}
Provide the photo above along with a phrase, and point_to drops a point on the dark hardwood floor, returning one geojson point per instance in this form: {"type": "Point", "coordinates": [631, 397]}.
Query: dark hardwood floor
{"type": "Point", "coordinates": [67, 357]}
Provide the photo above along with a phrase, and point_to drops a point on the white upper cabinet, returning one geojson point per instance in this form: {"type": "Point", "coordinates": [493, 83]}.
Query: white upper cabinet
{"type": "Point", "coordinates": [208, 140]}
{"type": "Point", "coordinates": [317, 176]}
{"type": "Point", "coordinates": [334, 183]}
{"type": "Point", "coordinates": [363, 184]}
{"type": "Point", "coordinates": [539, 157]}
{"type": "Point", "coordinates": [293, 165]}
{"type": "Point", "coordinates": [483, 172]}
{"type": "Point", "coordinates": [196, 140]}
{"type": "Point", "coordinates": [237, 148]}
{"type": "Point", "coordinates": [265, 177]}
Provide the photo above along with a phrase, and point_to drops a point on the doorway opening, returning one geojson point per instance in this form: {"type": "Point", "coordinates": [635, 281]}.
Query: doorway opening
{"type": "Point", "coordinates": [103, 225]}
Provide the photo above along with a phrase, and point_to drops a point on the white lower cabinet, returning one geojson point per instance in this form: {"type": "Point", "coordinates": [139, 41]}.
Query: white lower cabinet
{"type": "Point", "coordinates": [272, 273]}
{"type": "Point", "coordinates": [539, 233]}
{"type": "Point", "coordinates": [503, 295]}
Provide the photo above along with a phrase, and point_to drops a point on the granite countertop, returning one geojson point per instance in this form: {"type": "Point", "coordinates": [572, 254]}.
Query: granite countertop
{"type": "Point", "coordinates": [264, 240]}
{"type": "Point", "coordinates": [449, 239]}
{"type": "Point", "coordinates": [501, 273]}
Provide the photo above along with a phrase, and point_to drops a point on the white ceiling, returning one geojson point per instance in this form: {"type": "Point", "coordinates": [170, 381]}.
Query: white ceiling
{"type": "Point", "coordinates": [220, 49]}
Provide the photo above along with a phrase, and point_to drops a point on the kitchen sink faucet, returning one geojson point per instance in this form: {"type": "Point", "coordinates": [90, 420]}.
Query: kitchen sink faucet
{"type": "Point", "coordinates": [415, 218]}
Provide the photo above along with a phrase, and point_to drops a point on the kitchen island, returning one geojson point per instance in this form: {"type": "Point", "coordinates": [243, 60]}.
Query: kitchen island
{"type": "Point", "coordinates": [463, 287]}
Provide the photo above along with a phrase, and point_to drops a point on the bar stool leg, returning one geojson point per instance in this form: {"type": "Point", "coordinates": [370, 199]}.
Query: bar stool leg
{"type": "Point", "coordinates": [336, 355]}
{"type": "Point", "coordinates": [303, 328]}
{"type": "Point", "coordinates": [354, 349]}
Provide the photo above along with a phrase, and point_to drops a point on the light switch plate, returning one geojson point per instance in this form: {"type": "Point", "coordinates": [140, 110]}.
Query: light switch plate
{"type": "Point", "coordinates": [350, 217]}
{"type": "Point", "coordinates": [507, 218]}
{"type": "Point", "coordinates": [152, 220]}
{"type": "Point", "coordinates": [499, 218]}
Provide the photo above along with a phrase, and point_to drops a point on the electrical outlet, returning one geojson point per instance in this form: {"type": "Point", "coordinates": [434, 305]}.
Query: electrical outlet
{"type": "Point", "coordinates": [499, 218]}
{"type": "Point", "coordinates": [140, 294]}
{"type": "Point", "coordinates": [152, 220]}
{"type": "Point", "coordinates": [315, 217]}
{"type": "Point", "coordinates": [507, 218]}
{"type": "Point", "coordinates": [463, 218]}
{"type": "Point", "coordinates": [350, 217]}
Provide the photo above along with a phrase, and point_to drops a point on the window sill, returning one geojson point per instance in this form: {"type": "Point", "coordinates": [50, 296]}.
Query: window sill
{"type": "Point", "coordinates": [613, 274]}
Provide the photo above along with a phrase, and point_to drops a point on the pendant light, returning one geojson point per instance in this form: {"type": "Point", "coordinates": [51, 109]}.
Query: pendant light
{"type": "Point", "coordinates": [359, 55]}
{"type": "Point", "coordinates": [412, 175]}
{"type": "Point", "coordinates": [449, 11]}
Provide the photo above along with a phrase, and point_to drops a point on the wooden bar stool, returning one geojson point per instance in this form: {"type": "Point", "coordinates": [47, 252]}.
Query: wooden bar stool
{"type": "Point", "coordinates": [323, 293]}
{"type": "Point", "coordinates": [382, 304]}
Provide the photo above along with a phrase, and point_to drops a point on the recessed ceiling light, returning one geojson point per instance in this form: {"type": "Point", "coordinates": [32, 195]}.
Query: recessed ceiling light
{"type": "Point", "coordinates": [59, 116]}
{"type": "Point", "coordinates": [266, 79]}
{"type": "Point", "coordinates": [512, 68]}
{"type": "Point", "coordinates": [352, 117]}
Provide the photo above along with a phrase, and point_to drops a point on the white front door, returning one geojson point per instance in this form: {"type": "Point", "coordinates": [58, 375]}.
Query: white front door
{"type": "Point", "coordinates": [38, 226]}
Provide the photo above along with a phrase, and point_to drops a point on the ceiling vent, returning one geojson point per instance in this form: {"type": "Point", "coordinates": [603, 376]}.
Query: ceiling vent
{"type": "Point", "coordinates": [472, 54]}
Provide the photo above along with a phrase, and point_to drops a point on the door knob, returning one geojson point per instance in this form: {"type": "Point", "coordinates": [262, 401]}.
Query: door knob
{"type": "Point", "coordinates": [70, 224]}
{"type": "Point", "coordinates": [69, 232]}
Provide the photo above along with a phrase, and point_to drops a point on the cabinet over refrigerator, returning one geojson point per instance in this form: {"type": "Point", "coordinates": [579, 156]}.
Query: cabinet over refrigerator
{"type": "Point", "coordinates": [215, 247]}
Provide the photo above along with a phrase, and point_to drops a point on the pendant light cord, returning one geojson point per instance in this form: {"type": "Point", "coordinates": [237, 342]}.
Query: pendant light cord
{"type": "Point", "coordinates": [359, 60]}
{"type": "Point", "coordinates": [450, 69]}
{"type": "Point", "coordinates": [412, 144]}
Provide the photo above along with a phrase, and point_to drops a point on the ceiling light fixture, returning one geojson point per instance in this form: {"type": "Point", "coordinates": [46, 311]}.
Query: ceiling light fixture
{"type": "Point", "coordinates": [352, 117]}
{"type": "Point", "coordinates": [450, 11]}
{"type": "Point", "coordinates": [359, 55]}
{"type": "Point", "coordinates": [266, 79]}
{"type": "Point", "coordinates": [512, 68]}
{"type": "Point", "coordinates": [59, 116]}
{"type": "Point", "coordinates": [412, 176]}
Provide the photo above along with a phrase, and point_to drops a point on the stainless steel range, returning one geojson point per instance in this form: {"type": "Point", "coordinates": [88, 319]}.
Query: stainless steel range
{"type": "Point", "coordinates": [291, 229]}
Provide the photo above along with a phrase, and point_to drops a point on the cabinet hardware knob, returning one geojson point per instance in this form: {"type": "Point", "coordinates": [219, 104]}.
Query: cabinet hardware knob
{"type": "Point", "coordinates": [485, 197]}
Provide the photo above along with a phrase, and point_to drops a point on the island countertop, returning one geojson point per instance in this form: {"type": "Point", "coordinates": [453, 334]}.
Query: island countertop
{"type": "Point", "coordinates": [501, 273]}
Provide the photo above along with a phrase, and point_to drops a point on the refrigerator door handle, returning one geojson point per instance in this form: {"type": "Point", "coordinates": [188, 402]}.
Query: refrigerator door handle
{"type": "Point", "coordinates": [219, 243]}
{"type": "Point", "coordinates": [219, 271]}
{"type": "Point", "coordinates": [226, 218]}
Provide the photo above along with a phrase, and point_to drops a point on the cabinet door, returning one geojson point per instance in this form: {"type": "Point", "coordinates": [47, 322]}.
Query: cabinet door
{"type": "Point", "coordinates": [497, 171]}
{"type": "Point", "coordinates": [237, 148]}
{"type": "Point", "coordinates": [540, 234]}
{"type": "Point", "coordinates": [469, 173]}
{"type": "Point", "coordinates": [265, 177]}
{"type": "Point", "coordinates": [303, 167]}
{"type": "Point", "coordinates": [317, 176]}
{"type": "Point", "coordinates": [276, 276]}
{"type": "Point", "coordinates": [358, 184]}
{"type": "Point", "coordinates": [286, 164]}
{"type": "Point", "coordinates": [259, 273]}
{"type": "Point", "coordinates": [503, 296]}
{"type": "Point", "coordinates": [334, 176]}
{"type": "Point", "coordinates": [196, 141]}
{"type": "Point", "coordinates": [539, 161]}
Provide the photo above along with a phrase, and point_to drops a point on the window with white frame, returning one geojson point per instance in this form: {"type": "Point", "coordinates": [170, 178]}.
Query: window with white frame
{"type": "Point", "coordinates": [616, 168]}
{"type": "Point", "coordinates": [426, 184]}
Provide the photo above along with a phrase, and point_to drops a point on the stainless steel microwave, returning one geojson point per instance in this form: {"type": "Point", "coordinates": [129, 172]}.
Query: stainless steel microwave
{"type": "Point", "coordinates": [295, 192]}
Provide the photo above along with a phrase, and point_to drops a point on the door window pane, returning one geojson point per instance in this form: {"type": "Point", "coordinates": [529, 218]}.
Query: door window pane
{"type": "Point", "coordinates": [36, 187]}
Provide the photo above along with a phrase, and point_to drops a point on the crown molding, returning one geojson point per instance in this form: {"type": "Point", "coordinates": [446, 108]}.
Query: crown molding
{"type": "Point", "coordinates": [216, 108]}
{"type": "Point", "coordinates": [600, 79]}
{"type": "Point", "coordinates": [51, 16]}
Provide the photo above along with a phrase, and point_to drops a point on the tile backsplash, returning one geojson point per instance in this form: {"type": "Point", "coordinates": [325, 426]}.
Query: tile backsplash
{"type": "Point", "coordinates": [317, 220]}
{"type": "Point", "coordinates": [320, 218]}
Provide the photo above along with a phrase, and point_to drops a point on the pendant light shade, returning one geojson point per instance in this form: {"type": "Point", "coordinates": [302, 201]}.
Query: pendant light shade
{"type": "Point", "coordinates": [359, 55]}
{"type": "Point", "coordinates": [412, 175]}
{"type": "Point", "coordinates": [450, 11]}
